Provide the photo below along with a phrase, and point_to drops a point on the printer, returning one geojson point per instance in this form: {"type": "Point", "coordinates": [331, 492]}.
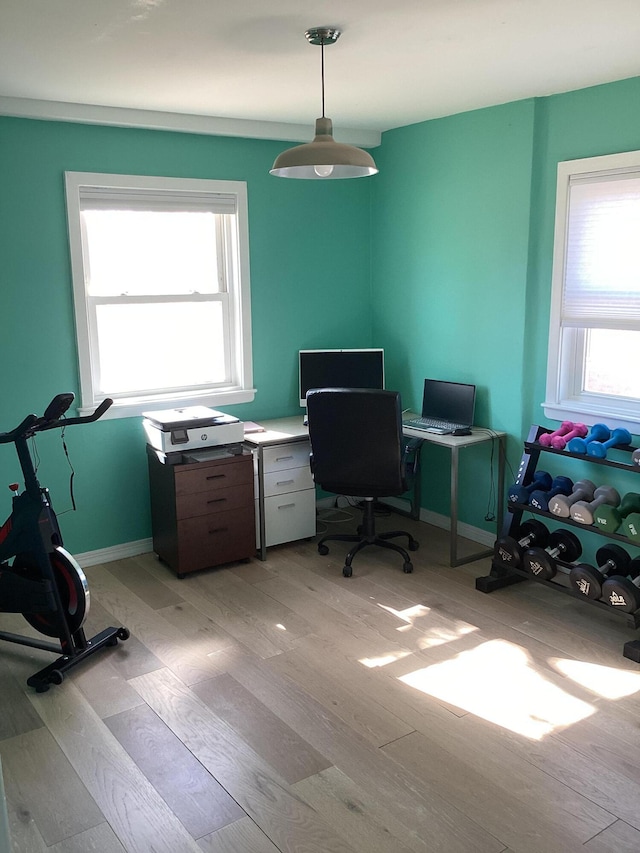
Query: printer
{"type": "Point", "coordinates": [191, 428]}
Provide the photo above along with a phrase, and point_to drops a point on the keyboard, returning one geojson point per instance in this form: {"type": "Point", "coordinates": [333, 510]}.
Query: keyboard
{"type": "Point", "coordinates": [433, 425]}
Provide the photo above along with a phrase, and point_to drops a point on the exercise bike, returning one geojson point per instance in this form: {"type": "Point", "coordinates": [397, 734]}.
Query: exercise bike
{"type": "Point", "coordinates": [38, 578]}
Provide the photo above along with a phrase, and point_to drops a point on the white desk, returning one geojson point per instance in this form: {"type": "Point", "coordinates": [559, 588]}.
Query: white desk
{"type": "Point", "coordinates": [284, 431]}
{"type": "Point", "coordinates": [456, 443]}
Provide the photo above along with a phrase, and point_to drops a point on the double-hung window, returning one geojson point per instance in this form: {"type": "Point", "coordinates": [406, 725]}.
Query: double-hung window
{"type": "Point", "coordinates": [161, 290]}
{"type": "Point", "coordinates": [594, 336]}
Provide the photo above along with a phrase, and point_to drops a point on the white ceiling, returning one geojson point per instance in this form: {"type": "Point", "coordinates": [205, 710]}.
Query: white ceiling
{"type": "Point", "coordinates": [395, 63]}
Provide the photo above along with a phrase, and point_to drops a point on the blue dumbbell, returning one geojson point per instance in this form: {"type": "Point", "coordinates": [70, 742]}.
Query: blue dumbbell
{"type": "Point", "coordinates": [599, 432]}
{"type": "Point", "coordinates": [599, 448]}
{"type": "Point", "coordinates": [540, 498]}
{"type": "Point", "coordinates": [520, 494]}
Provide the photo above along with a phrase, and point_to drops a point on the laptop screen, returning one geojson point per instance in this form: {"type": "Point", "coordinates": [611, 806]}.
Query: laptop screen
{"type": "Point", "coordinates": [449, 401]}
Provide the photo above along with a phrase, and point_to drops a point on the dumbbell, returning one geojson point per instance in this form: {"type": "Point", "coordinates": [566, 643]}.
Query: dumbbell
{"type": "Point", "coordinates": [609, 518]}
{"type": "Point", "coordinates": [540, 498]}
{"type": "Point", "coordinates": [599, 448]}
{"type": "Point", "coordinates": [630, 527]}
{"type": "Point", "coordinates": [635, 456]}
{"type": "Point", "coordinates": [563, 429]}
{"type": "Point", "coordinates": [542, 562]}
{"type": "Point", "coordinates": [509, 550]}
{"type": "Point", "coordinates": [599, 432]}
{"type": "Point", "coordinates": [520, 494]}
{"type": "Point", "coordinates": [561, 504]}
{"type": "Point", "coordinates": [587, 580]}
{"type": "Point", "coordinates": [623, 593]}
{"type": "Point", "coordinates": [584, 511]}
{"type": "Point", "coordinates": [561, 441]}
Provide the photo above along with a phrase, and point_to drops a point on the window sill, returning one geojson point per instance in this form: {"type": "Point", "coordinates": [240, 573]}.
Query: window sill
{"type": "Point", "coordinates": [589, 415]}
{"type": "Point", "coordinates": [134, 407]}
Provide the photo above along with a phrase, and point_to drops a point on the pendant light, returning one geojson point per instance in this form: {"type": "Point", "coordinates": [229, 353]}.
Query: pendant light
{"type": "Point", "coordinates": [324, 157]}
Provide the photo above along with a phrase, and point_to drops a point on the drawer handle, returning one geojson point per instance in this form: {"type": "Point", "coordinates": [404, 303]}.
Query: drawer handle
{"type": "Point", "coordinates": [284, 482]}
{"type": "Point", "coordinates": [216, 500]}
{"type": "Point", "coordinates": [283, 458]}
{"type": "Point", "coordinates": [216, 476]}
{"type": "Point", "coordinates": [285, 506]}
{"type": "Point", "coordinates": [218, 530]}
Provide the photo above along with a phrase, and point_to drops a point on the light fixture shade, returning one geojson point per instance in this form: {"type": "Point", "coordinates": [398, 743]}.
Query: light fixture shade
{"type": "Point", "coordinates": [324, 158]}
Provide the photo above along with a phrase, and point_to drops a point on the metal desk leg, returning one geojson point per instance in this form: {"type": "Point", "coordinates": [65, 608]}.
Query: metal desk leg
{"type": "Point", "coordinates": [453, 510]}
{"type": "Point", "coordinates": [454, 560]}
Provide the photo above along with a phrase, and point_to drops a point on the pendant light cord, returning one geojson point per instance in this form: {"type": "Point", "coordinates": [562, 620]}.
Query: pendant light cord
{"type": "Point", "coordinates": [322, 72]}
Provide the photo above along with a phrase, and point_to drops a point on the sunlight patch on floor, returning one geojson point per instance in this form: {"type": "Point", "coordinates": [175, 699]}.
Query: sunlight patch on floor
{"type": "Point", "coordinates": [607, 681]}
{"type": "Point", "coordinates": [383, 660]}
{"type": "Point", "coordinates": [497, 682]}
{"type": "Point", "coordinates": [436, 636]}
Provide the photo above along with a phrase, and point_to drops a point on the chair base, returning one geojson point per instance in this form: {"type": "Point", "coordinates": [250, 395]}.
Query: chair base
{"type": "Point", "coordinates": [368, 536]}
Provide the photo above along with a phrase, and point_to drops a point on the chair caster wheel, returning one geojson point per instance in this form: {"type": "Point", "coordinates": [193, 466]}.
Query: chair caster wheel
{"type": "Point", "coordinates": [414, 545]}
{"type": "Point", "coordinates": [123, 633]}
{"type": "Point", "coordinates": [322, 549]}
{"type": "Point", "coordinates": [347, 572]}
{"type": "Point", "coordinates": [407, 568]}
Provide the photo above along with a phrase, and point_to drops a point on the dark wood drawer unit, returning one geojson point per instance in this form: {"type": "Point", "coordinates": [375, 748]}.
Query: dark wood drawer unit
{"type": "Point", "coordinates": [202, 513]}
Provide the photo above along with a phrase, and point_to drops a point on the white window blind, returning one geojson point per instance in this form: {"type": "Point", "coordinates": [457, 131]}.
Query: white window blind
{"type": "Point", "coordinates": [602, 272]}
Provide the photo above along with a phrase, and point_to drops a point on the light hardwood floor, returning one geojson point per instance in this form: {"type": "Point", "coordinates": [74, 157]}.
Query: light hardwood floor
{"type": "Point", "coordinates": [278, 706]}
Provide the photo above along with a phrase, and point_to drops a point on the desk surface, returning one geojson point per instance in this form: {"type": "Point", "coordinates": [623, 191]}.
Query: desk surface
{"type": "Point", "coordinates": [293, 429]}
{"type": "Point", "coordinates": [478, 435]}
{"type": "Point", "coordinates": [278, 431]}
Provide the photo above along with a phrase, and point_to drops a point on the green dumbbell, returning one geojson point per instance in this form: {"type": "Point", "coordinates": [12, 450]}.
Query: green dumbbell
{"type": "Point", "coordinates": [609, 518]}
{"type": "Point", "coordinates": [630, 527]}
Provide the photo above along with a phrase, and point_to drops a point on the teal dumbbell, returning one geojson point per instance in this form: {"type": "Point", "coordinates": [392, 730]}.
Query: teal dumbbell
{"type": "Point", "coordinates": [598, 449]}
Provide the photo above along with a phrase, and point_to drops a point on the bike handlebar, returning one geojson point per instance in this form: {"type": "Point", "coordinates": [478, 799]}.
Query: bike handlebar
{"type": "Point", "coordinates": [53, 418]}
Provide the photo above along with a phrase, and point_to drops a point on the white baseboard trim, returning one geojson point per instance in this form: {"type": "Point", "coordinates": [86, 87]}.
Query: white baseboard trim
{"type": "Point", "coordinates": [115, 552]}
{"type": "Point", "coordinates": [468, 531]}
{"type": "Point", "coordinates": [144, 546]}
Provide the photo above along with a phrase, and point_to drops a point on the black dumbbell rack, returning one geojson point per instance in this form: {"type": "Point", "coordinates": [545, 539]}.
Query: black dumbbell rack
{"type": "Point", "coordinates": [502, 575]}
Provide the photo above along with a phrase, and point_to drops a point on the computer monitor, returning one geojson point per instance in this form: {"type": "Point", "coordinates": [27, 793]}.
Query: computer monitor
{"type": "Point", "coordinates": [340, 368]}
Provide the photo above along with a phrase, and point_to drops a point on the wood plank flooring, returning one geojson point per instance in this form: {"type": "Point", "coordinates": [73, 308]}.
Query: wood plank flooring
{"type": "Point", "coordinates": [277, 707]}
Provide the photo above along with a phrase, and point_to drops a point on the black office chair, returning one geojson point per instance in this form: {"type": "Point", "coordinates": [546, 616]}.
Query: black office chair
{"type": "Point", "coordinates": [357, 448]}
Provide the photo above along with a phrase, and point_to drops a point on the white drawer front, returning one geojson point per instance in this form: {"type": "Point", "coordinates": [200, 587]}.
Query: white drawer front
{"type": "Point", "coordinates": [283, 456]}
{"type": "Point", "coordinates": [290, 517]}
{"type": "Point", "coordinates": [289, 480]}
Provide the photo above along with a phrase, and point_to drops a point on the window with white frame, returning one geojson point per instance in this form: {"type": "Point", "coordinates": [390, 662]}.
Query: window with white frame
{"type": "Point", "coordinates": [594, 333]}
{"type": "Point", "coordinates": [161, 291]}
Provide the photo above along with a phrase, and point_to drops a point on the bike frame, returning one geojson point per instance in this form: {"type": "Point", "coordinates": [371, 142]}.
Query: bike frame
{"type": "Point", "coordinates": [32, 532]}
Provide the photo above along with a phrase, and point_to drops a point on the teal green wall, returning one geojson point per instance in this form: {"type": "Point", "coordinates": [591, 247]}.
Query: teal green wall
{"type": "Point", "coordinates": [449, 267]}
{"type": "Point", "coordinates": [588, 123]}
{"type": "Point", "coordinates": [310, 282]}
{"type": "Point", "coordinates": [462, 244]}
{"type": "Point", "coordinates": [444, 259]}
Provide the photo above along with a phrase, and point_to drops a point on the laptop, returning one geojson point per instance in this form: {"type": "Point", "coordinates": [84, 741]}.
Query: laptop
{"type": "Point", "coordinates": [447, 408]}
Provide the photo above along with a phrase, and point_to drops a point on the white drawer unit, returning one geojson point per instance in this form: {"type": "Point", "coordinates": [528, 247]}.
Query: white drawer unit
{"type": "Point", "coordinates": [285, 493]}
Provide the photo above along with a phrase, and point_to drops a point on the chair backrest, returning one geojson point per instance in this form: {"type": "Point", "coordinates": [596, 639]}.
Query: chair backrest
{"type": "Point", "coordinates": [356, 441]}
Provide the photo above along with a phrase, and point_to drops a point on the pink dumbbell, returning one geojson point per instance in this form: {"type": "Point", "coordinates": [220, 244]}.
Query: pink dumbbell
{"type": "Point", "coordinates": [561, 441]}
{"type": "Point", "coordinates": [546, 438]}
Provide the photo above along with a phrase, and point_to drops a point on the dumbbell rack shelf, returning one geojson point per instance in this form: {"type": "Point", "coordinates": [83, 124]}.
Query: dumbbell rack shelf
{"type": "Point", "coordinates": [503, 575]}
